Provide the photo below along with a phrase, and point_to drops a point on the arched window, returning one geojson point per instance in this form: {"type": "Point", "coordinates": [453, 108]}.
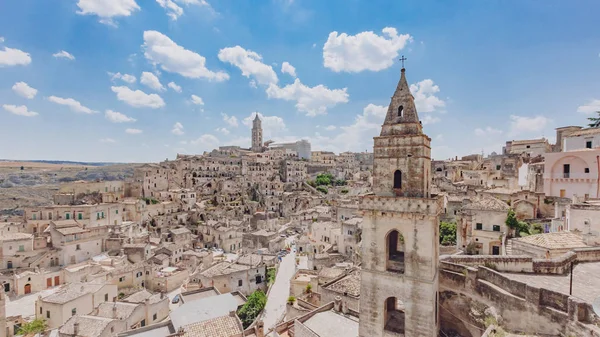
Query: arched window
{"type": "Point", "coordinates": [394, 315]}
{"type": "Point", "coordinates": [400, 109]}
{"type": "Point", "coordinates": [395, 252]}
{"type": "Point", "coordinates": [398, 179]}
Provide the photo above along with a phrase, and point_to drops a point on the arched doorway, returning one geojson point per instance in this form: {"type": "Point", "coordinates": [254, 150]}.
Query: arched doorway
{"type": "Point", "coordinates": [398, 180]}
{"type": "Point", "coordinates": [27, 288]}
{"type": "Point", "coordinates": [394, 315]}
{"type": "Point", "coordinates": [395, 252]}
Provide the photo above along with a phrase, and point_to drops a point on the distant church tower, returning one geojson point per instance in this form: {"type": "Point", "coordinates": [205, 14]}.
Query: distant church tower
{"type": "Point", "coordinates": [257, 139]}
{"type": "Point", "coordinates": [399, 277]}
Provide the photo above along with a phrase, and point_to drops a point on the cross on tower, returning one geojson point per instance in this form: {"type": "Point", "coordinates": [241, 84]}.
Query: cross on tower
{"type": "Point", "coordinates": [403, 59]}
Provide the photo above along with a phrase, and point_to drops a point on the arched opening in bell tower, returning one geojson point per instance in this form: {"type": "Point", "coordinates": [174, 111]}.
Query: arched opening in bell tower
{"type": "Point", "coordinates": [395, 252]}
{"type": "Point", "coordinates": [400, 109]}
{"type": "Point", "coordinates": [398, 179]}
{"type": "Point", "coordinates": [394, 315]}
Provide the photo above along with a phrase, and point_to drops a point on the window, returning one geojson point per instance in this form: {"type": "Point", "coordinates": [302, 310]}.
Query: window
{"type": "Point", "coordinates": [41, 311]}
{"type": "Point", "coordinates": [80, 216]}
{"type": "Point", "coordinates": [154, 317]}
{"type": "Point", "coordinates": [588, 144]}
{"type": "Point", "coordinates": [528, 146]}
{"type": "Point", "coordinates": [400, 109]}
{"type": "Point", "coordinates": [105, 297]}
{"type": "Point", "coordinates": [47, 314]}
{"type": "Point", "coordinates": [78, 247]}
{"type": "Point", "coordinates": [498, 167]}
{"type": "Point", "coordinates": [398, 179]}
{"type": "Point", "coordinates": [496, 228]}
{"type": "Point", "coordinates": [586, 170]}
{"type": "Point", "coordinates": [395, 252]}
{"type": "Point", "coordinates": [566, 170]}
{"type": "Point", "coordinates": [102, 215]}
{"type": "Point", "coordinates": [67, 216]}
{"type": "Point", "coordinates": [73, 311]}
{"type": "Point", "coordinates": [117, 212]}
{"type": "Point", "coordinates": [121, 279]}
{"type": "Point", "coordinates": [479, 226]}
{"type": "Point", "coordinates": [34, 216]}
{"type": "Point", "coordinates": [239, 283]}
{"type": "Point", "coordinates": [394, 315]}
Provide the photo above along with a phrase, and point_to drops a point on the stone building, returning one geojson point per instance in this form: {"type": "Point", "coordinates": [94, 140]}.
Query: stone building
{"type": "Point", "coordinates": [257, 135]}
{"type": "Point", "coordinates": [399, 276]}
{"type": "Point", "coordinates": [481, 223]}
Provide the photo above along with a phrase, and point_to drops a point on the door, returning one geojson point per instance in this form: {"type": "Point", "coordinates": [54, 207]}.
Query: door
{"type": "Point", "coordinates": [49, 282]}
{"type": "Point", "coordinates": [495, 250]}
{"type": "Point", "coordinates": [566, 170]}
{"type": "Point", "coordinates": [563, 193]}
{"type": "Point", "coordinates": [27, 288]}
{"type": "Point", "coordinates": [6, 287]}
{"type": "Point", "coordinates": [56, 280]}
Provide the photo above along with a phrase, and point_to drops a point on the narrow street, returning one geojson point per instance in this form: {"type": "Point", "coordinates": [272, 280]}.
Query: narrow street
{"type": "Point", "coordinates": [276, 302]}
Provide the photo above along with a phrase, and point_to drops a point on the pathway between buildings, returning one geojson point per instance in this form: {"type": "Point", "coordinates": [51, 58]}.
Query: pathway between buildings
{"type": "Point", "coordinates": [276, 302]}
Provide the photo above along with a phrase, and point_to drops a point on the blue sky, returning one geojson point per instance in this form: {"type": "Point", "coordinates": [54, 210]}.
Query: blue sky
{"type": "Point", "coordinates": [112, 80]}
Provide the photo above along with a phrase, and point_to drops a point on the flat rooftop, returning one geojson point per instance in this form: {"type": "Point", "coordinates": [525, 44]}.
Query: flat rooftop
{"type": "Point", "coordinates": [332, 324]}
{"type": "Point", "coordinates": [586, 281]}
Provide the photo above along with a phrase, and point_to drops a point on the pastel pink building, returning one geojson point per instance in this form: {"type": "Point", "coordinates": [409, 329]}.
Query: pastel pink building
{"type": "Point", "coordinates": [572, 173]}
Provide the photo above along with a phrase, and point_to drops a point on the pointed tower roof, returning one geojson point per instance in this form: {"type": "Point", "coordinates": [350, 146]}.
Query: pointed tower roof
{"type": "Point", "coordinates": [402, 116]}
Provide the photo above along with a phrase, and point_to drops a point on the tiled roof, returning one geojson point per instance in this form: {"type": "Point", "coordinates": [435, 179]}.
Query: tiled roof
{"type": "Point", "coordinates": [15, 236]}
{"type": "Point", "coordinates": [486, 203]}
{"type": "Point", "coordinates": [350, 284]}
{"type": "Point", "coordinates": [224, 326]}
{"type": "Point", "coordinates": [138, 297]}
{"type": "Point", "coordinates": [123, 310]}
{"type": "Point", "coordinates": [71, 230]}
{"type": "Point", "coordinates": [178, 231]}
{"type": "Point", "coordinates": [71, 291]}
{"type": "Point", "coordinates": [559, 240]}
{"type": "Point", "coordinates": [224, 268]}
{"type": "Point", "coordinates": [89, 326]}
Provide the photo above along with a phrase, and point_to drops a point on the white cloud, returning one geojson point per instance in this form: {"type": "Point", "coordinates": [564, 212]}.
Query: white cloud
{"type": "Point", "coordinates": [272, 125]}
{"type": "Point", "coordinates": [206, 142]}
{"type": "Point", "coordinates": [174, 86]}
{"type": "Point", "coordinates": [138, 98]}
{"type": "Point", "coordinates": [125, 77]}
{"type": "Point", "coordinates": [591, 107]}
{"type": "Point", "coordinates": [288, 69]}
{"type": "Point", "coordinates": [428, 119]}
{"type": "Point", "coordinates": [230, 120]}
{"type": "Point", "coordinates": [151, 81]}
{"type": "Point", "coordinates": [24, 90]}
{"type": "Point", "coordinates": [133, 131]}
{"type": "Point", "coordinates": [1, 39]}
{"type": "Point", "coordinates": [117, 117]}
{"type": "Point", "coordinates": [223, 131]}
{"type": "Point", "coordinates": [425, 99]}
{"type": "Point", "coordinates": [173, 11]}
{"type": "Point", "coordinates": [107, 140]}
{"type": "Point", "coordinates": [249, 63]}
{"type": "Point", "coordinates": [522, 124]}
{"type": "Point", "coordinates": [160, 49]}
{"type": "Point", "coordinates": [357, 136]}
{"type": "Point", "coordinates": [363, 51]}
{"type": "Point", "coordinates": [72, 104]}
{"type": "Point", "coordinates": [13, 57]}
{"type": "Point", "coordinates": [330, 127]}
{"type": "Point", "coordinates": [488, 131]}
{"type": "Point", "coordinates": [253, 84]}
{"type": "Point", "coordinates": [314, 101]}
{"type": "Point", "coordinates": [177, 129]}
{"type": "Point", "coordinates": [20, 110]}
{"type": "Point", "coordinates": [197, 100]}
{"type": "Point", "coordinates": [106, 10]}
{"type": "Point", "coordinates": [64, 54]}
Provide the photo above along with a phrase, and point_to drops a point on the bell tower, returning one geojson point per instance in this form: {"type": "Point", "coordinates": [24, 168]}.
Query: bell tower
{"type": "Point", "coordinates": [399, 277]}
{"type": "Point", "coordinates": [257, 143]}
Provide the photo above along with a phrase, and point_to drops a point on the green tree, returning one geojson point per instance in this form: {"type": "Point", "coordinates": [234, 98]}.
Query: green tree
{"type": "Point", "coordinates": [511, 220]}
{"type": "Point", "coordinates": [322, 189]}
{"type": "Point", "coordinates": [291, 300]}
{"type": "Point", "coordinates": [309, 288]}
{"type": "Point", "coordinates": [447, 233]}
{"type": "Point", "coordinates": [36, 326]}
{"type": "Point", "coordinates": [252, 308]}
{"type": "Point", "coordinates": [324, 179]}
{"type": "Point", "coordinates": [340, 182]}
{"type": "Point", "coordinates": [271, 274]}
{"type": "Point", "coordinates": [594, 121]}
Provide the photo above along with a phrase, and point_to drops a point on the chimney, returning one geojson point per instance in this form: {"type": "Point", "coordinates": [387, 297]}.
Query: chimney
{"type": "Point", "coordinates": [344, 307]}
{"type": "Point", "coordinates": [337, 304]}
{"type": "Point", "coordinates": [76, 329]}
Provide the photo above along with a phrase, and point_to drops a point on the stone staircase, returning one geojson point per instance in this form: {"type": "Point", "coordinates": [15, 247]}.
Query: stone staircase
{"type": "Point", "coordinates": [509, 247]}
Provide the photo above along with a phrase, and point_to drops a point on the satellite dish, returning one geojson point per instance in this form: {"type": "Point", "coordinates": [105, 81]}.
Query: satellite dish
{"type": "Point", "coordinates": [596, 306]}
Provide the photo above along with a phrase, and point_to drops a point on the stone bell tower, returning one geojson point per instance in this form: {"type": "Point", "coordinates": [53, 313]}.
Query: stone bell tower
{"type": "Point", "coordinates": [257, 137]}
{"type": "Point", "coordinates": [399, 277]}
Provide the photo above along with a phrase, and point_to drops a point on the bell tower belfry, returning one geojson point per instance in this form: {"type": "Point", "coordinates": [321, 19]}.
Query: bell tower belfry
{"type": "Point", "coordinates": [399, 277]}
